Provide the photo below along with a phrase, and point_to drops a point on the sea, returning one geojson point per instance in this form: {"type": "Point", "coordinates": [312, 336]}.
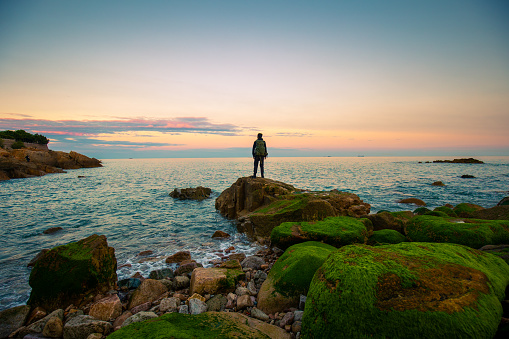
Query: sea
{"type": "Point", "coordinates": [128, 201]}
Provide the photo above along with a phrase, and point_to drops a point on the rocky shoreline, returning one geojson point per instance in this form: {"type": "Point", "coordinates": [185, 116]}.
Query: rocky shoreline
{"type": "Point", "coordinates": [327, 265]}
{"type": "Point", "coordinates": [37, 160]}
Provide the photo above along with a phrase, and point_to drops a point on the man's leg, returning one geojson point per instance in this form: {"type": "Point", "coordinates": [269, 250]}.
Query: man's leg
{"type": "Point", "coordinates": [261, 166]}
{"type": "Point", "coordinates": [256, 160]}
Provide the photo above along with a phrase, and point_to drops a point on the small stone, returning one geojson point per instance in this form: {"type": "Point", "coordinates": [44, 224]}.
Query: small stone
{"type": "Point", "coordinates": [217, 303]}
{"type": "Point", "coordinates": [169, 304]}
{"type": "Point", "coordinates": [181, 282]}
{"type": "Point", "coordinates": [184, 309]}
{"type": "Point", "coordinates": [241, 291]}
{"type": "Point", "coordinates": [297, 315]}
{"type": "Point", "coordinates": [139, 317]}
{"type": "Point", "coordinates": [231, 264]}
{"type": "Point", "coordinates": [232, 299]}
{"type": "Point", "coordinates": [251, 287]}
{"type": "Point", "coordinates": [161, 274]}
{"type": "Point", "coordinates": [244, 301]}
{"type": "Point", "coordinates": [253, 262]}
{"type": "Point", "coordinates": [239, 256]}
{"type": "Point", "coordinates": [120, 320]}
{"type": "Point", "coordinates": [259, 314]}
{"type": "Point", "coordinates": [178, 257]}
{"type": "Point", "coordinates": [220, 234]}
{"type": "Point", "coordinates": [52, 230]}
{"type": "Point", "coordinates": [141, 308]}
{"type": "Point", "coordinates": [197, 296]}
{"type": "Point", "coordinates": [296, 326]}
{"type": "Point", "coordinates": [37, 314]}
{"type": "Point", "coordinates": [106, 308]}
{"type": "Point", "coordinates": [197, 306]}
{"type": "Point", "coordinates": [54, 328]}
{"type": "Point", "coordinates": [287, 319]}
{"type": "Point", "coordinates": [302, 302]}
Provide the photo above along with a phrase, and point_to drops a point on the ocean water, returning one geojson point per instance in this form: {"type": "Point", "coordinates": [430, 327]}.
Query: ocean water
{"type": "Point", "coordinates": [128, 201]}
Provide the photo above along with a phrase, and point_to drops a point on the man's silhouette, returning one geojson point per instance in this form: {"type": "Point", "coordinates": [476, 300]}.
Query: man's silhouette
{"type": "Point", "coordinates": [259, 154]}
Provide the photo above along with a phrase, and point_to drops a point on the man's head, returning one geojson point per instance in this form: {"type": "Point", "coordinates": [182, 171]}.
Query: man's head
{"type": "Point", "coordinates": [260, 135]}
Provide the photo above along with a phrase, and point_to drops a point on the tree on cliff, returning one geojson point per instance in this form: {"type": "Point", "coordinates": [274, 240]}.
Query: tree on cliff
{"type": "Point", "coordinates": [21, 135]}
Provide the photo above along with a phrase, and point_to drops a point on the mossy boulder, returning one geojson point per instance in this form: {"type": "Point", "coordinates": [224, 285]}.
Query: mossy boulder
{"type": "Point", "coordinates": [386, 236]}
{"type": "Point", "coordinates": [291, 275]}
{"type": "Point", "coordinates": [447, 210]}
{"type": "Point", "coordinates": [73, 273]}
{"type": "Point", "coordinates": [207, 325]}
{"type": "Point", "coordinates": [421, 210]}
{"type": "Point", "coordinates": [390, 220]}
{"type": "Point", "coordinates": [335, 231]}
{"type": "Point", "coordinates": [407, 290]}
{"type": "Point", "coordinates": [470, 232]}
{"type": "Point", "coordinates": [466, 210]}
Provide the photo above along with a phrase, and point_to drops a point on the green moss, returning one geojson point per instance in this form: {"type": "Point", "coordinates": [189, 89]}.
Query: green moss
{"type": "Point", "coordinates": [447, 210]}
{"type": "Point", "coordinates": [407, 290]}
{"type": "Point", "coordinates": [437, 214]}
{"type": "Point", "coordinates": [289, 204]}
{"type": "Point", "coordinates": [474, 233]}
{"type": "Point", "coordinates": [421, 210]}
{"type": "Point", "coordinates": [293, 271]}
{"type": "Point", "coordinates": [465, 210]}
{"type": "Point", "coordinates": [176, 325]}
{"type": "Point", "coordinates": [386, 236]}
{"type": "Point", "coordinates": [335, 231]}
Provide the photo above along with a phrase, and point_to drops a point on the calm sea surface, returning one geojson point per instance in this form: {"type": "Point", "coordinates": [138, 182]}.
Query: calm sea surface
{"type": "Point", "coordinates": [128, 201]}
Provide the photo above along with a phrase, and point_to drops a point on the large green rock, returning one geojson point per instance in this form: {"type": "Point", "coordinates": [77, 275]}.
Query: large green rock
{"type": "Point", "coordinates": [407, 290]}
{"type": "Point", "coordinates": [207, 325]}
{"type": "Point", "coordinates": [291, 275]}
{"type": "Point", "coordinates": [386, 236]}
{"type": "Point", "coordinates": [466, 210]}
{"type": "Point", "coordinates": [73, 273]}
{"type": "Point", "coordinates": [470, 232]}
{"type": "Point", "coordinates": [335, 231]}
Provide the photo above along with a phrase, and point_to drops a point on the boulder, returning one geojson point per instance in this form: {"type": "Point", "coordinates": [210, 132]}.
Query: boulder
{"type": "Point", "coordinates": [291, 275]}
{"type": "Point", "coordinates": [414, 201]}
{"type": "Point", "coordinates": [501, 251]}
{"type": "Point", "coordinates": [407, 290]}
{"type": "Point", "coordinates": [161, 274]}
{"type": "Point", "coordinates": [390, 220]}
{"type": "Point", "coordinates": [503, 202]}
{"type": "Point", "coordinates": [198, 193]}
{"type": "Point", "coordinates": [120, 320]}
{"type": "Point", "coordinates": [474, 233]}
{"type": "Point", "coordinates": [177, 325]}
{"type": "Point", "coordinates": [54, 328]}
{"type": "Point", "coordinates": [138, 318]}
{"type": "Point", "coordinates": [178, 257]}
{"type": "Point", "coordinates": [386, 236]}
{"type": "Point", "coordinates": [214, 280]}
{"type": "Point", "coordinates": [447, 210]}
{"type": "Point", "coordinates": [106, 308]}
{"type": "Point", "coordinates": [217, 303]}
{"type": "Point", "coordinates": [499, 212]}
{"type": "Point", "coordinates": [262, 204]}
{"type": "Point", "coordinates": [335, 231]}
{"type": "Point", "coordinates": [81, 326]}
{"type": "Point", "coordinates": [438, 183]}
{"type": "Point", "coordinates": [197, 306]}
{"type": "Point", "coordinates": [186, 267]}
{"type": "Point", "coordinates": [169, 304]}
{"type": "Point", "coordinates": [12, 318]}
{"type": "Point", "coordinates": [220, 234]}
{"type": "Point", "coordinates": [459, 161]}
{"type": "Point", "coordinates": [254, 262]}
{"type": "Point", "coordinates": [38, 327]}
{"type": "Point", "coordinates": [149, 290]}
{"type": "Point", "coordinates": [466, 210]}
{"type": "Point", "coordinates": [73, 273]}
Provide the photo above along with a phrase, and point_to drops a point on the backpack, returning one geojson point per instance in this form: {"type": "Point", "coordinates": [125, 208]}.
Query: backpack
{"type": "Point", "coordinates": [260, 148]}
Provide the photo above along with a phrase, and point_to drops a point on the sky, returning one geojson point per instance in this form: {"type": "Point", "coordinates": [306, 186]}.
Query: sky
{"type": "Point", "coordinates": [143, 79]}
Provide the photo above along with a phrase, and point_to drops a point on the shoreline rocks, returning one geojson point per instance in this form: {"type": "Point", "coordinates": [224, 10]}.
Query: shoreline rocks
{"type": "Point", "coordinates": [198, 193]}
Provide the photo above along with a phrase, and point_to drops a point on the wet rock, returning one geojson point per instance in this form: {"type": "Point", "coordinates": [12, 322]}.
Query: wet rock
{"type": "Point", "coordinates": [184, 309]}
{"type": "Point", "coordinates": [186, 267]}
{"type": "Point", "coordinates": [237, 256]}
{"type": "Point", "coordinates": [438, 183]}
{"type": "Point", "coordinates": [198, 193]}
{"type": "Point", "coordinates": [70, 273]}
{"type": "Point", "coordinates": [54, 328]}
{"type": "Point", "coordinates": [390, 220]}
{"type": "Point", "coordinates": [80, 327]}
{"type": "Point", "coordinates": [232, 264]}
{"type": "Point", "coordinates": [129, 283]}
{"type": "Point", "coordinates": [297, 315]}
{"type": "Point", "coordinates": [181, 282]}
{"type": "Point", "coordinates": [241, 291]}
{"type": "Point", "coordinates": [296, 326]}
{"type": "Point", "coordinates": [459, 161]}
{"type": "Point", "coordinates": [414, 201]}
{"type": "Point", "coordinates": [467, 176]}
{"type": "Point", "coordinates": [120, 320]}
{"type": "Point", "coordinates": [52, 230]}
{"type": "Point", "coordinates": [259, 314]}
{"type": "Point", "coordinates": [161, 274]}
{"type": "Point", "coordinates": [37, 257]}
{"type": "Point", "coordinates": [251, 287]}
{"type": "Point", "coordinates": [12, 318]}
{"type": "Point", "coordinates": [148, 291]}
{"type": "Point", "coordinates": [231, 300]}
{"type": "Point", "coordinates": [37, 314]}
{"type": "Point", "coordinates": [287, 319]}
{"type": "Point", "coordinates": [178, 257]}
{"type": "Point", "coordinates": [141, 308]}
{"type": "Point", "coordinates": [214, 280]}
{"type": "Point", "coordinates": [107, 308]}
{"type": "Point", "coordinates": [220, 234]}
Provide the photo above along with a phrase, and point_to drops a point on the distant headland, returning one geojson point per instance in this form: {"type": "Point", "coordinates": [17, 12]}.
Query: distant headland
{"type": "Point", "coordinates": [25, 155]}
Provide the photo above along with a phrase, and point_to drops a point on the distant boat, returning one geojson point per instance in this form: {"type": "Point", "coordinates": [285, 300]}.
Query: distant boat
{"type": "Point", "coordinates": [361, 156]}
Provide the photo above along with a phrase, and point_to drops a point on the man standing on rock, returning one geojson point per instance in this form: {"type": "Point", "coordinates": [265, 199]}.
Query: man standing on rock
{"type": "Point", "coordinates": [259, 154]}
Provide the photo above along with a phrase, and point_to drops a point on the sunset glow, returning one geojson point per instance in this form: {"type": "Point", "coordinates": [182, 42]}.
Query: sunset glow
{"type": "Point", "coordinates": [176, 79]}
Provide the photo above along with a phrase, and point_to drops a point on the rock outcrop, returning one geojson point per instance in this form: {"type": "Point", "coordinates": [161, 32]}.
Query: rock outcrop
{"type": "Point", "coordinates": [408, 290]}
{"type": "Point", "coordinates": [459, 161]}
{"type": "Point", "coordinates": [262, 204]}
{"type": "Point", "coordinates": [198, 193]}
{"type": "Point", "coordinates": [30, 162]}
{"type": "Point", "coordinates": [72, 273]}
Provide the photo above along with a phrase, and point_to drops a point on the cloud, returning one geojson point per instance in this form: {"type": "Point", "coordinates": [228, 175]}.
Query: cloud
{"type": "Point", "coordinates": [76, 128]}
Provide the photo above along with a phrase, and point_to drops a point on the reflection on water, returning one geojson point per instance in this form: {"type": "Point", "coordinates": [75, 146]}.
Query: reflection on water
{"type": "Point", "coordinates": [128, 201]}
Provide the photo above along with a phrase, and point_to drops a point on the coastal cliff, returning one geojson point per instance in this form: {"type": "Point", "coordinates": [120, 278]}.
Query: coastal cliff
{"type": "Point", "coordinates": [37, 160]}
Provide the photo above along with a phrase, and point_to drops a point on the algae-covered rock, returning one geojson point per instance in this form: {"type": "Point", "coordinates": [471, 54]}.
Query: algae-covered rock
{"type": "Point", "coordinates": [335, 231]}
{"type": "Point", "coordinates": [214, 280]}
{"type": "Point", "coordinates": [470, 232]}
{"type": "Point", "coordinates": [447, 210]}
{"type": "Point", "coordinates": [466, 210]}
{"type": "Point", "coordinates": [291, 275]}
{"type": "Point", "coordinates": [207, 325]}
{"type": "Point", "coordinates": [73, 273]}
{"type": "Point", "coordinates": [390, 220]}
{"type": "Point", "coordinates": [407, 290]}
{"type": "Point", "coordinates": [386, 236]}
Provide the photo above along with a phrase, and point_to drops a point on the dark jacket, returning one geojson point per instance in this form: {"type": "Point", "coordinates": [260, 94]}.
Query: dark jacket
{"type": "Point", "coordinates": [254, 146]}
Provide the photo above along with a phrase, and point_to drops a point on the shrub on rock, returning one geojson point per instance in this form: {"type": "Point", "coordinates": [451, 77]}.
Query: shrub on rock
{"type": "Point", "coordinates": [335, 231]}
{"type": "Point", "coordinates": [72, 273]}
{"type": "Point", "coordinates": [408, 290]}
{"type": "Point", "coordinates": [470, 232]}
{"type": "Point", "coordinates": [291, 275]}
